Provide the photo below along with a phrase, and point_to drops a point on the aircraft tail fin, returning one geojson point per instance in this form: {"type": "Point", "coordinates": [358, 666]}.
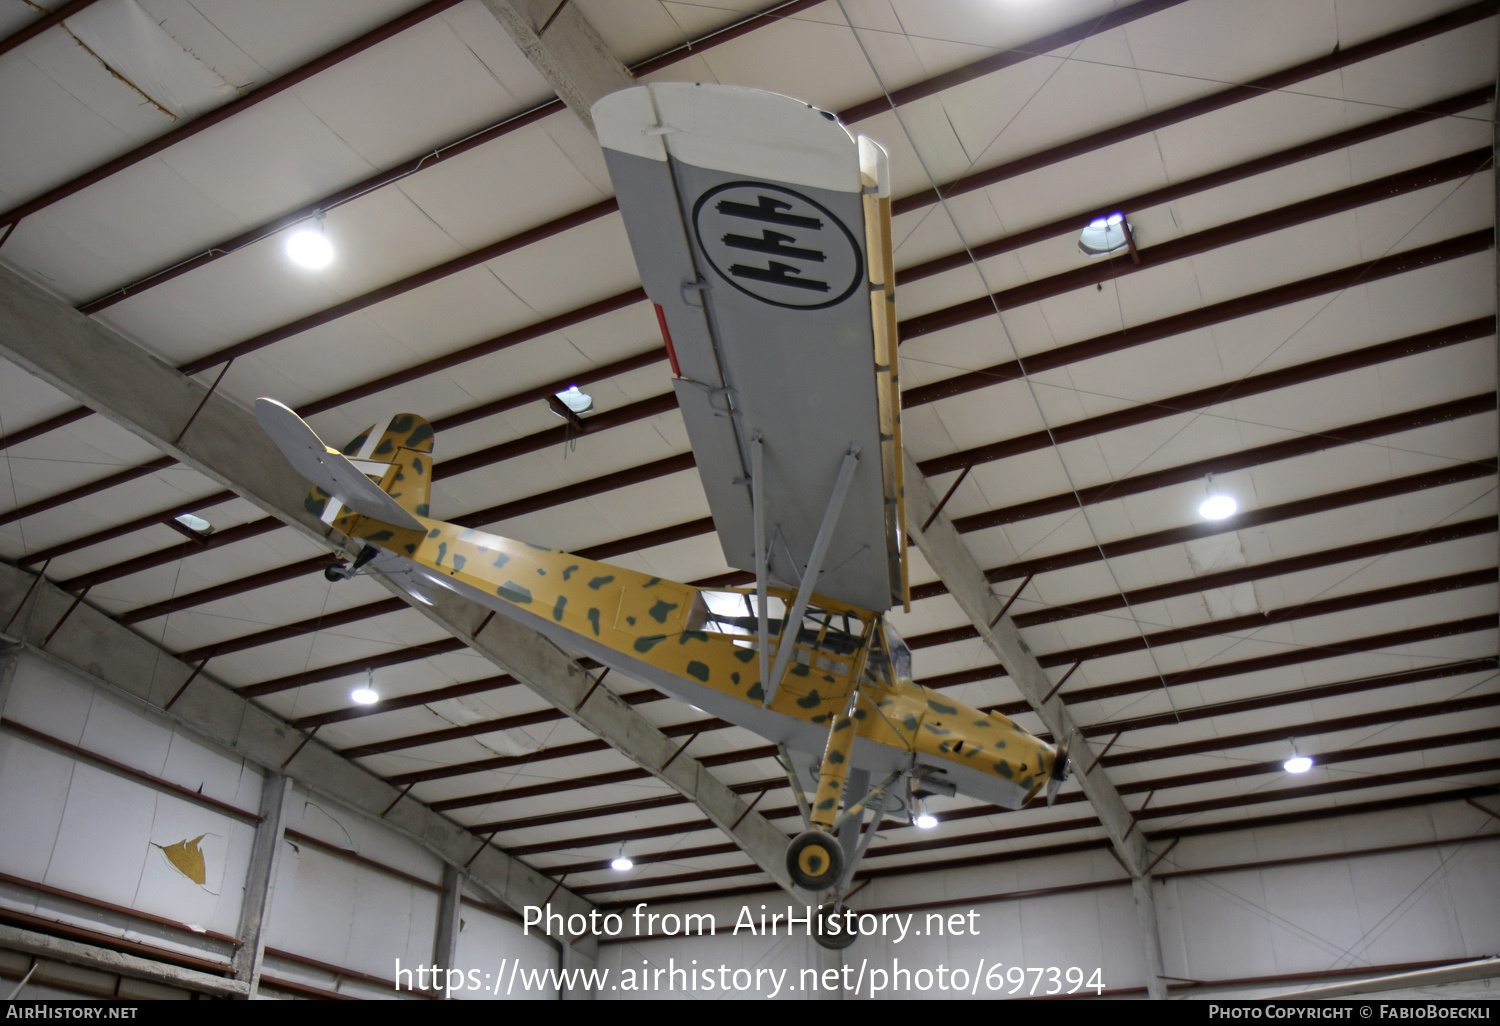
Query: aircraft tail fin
{"type": "Point", "coordinates": [384, 473]}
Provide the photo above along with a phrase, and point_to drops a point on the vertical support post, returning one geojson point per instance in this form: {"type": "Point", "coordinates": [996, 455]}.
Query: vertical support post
{"type": "Point", "coordinates": [810, 576]}
{"type": "Point", "coordinates": [445, 942]}
{"type": "Point", "coordinates": [1145, 912]}
{"type": "Point", "coordinates": [260, 879]}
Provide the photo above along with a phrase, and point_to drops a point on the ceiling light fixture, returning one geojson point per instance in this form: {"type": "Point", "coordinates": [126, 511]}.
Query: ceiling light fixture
{"type": "Point", "coordinates": [925, 820]}
{"type": "Point", "coordinates": [193, 523]}
{"type": "Point", "coordinates": [622, 864]}
{"type": "Point", "coordinates": [309, 247]}
{"type": "Point", "coordinates": [1218, 505]}
{"type": "Point", "coordinates": [1297, 763]}
{"type": "Point", "coordinates": [1105, 235]}
{"type": "Point", "coordinates": [576, 400]}
{"type": "Point", "coordinates": [366, 695]}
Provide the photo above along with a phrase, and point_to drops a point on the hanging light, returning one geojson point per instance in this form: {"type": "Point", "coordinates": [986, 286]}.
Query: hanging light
{"type": "Point", "coordinates": [1217, 505]}
{"type": "Point", "coordinates": [575, 399]}
{"type": "Point", "coordinates": [1104, 235]}
{"type": "Point", "coordinates": [925, 820]}
{"type": "Point", "coordinates": [366, 695]}
{"type": "Point", "coordinates": [309, 247]}
{"type": "Point", "coordinates": [1297, 763]}
{"type": "Point", "coordinates": [622, 863]}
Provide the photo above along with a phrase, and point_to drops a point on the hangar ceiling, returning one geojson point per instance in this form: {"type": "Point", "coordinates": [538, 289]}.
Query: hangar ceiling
{"type": "Point", "coordinates": [1304, 320]}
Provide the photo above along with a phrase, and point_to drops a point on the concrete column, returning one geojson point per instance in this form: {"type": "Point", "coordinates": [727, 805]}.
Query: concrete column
{"type": "Point", "coordinates": [445, 943]}
{"type": "Point", "coordinates": [260, 879]}
{"type": "Point", "coordinates": [1145, 912]}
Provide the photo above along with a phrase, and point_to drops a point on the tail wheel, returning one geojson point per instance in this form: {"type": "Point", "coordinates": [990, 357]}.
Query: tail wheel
{"type": "Point", "coordinates": [814, 860]}
{"type": "Point", "coordinates": [826, 935]}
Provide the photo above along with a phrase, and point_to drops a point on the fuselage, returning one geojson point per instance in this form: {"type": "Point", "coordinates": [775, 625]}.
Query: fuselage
{"type": "Point", "coordinates": [701, 646]}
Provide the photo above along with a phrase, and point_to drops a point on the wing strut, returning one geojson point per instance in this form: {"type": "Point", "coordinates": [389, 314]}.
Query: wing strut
{"type": "Point", "coordinates": [793, 619]}
{"type": "Point", "coordinates": [762, 558]}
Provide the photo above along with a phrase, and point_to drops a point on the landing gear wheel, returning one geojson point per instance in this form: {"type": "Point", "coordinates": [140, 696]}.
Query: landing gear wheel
{"type": "Point", "coordinates": [337, 572]}
{"type": "Point", "coordinates": [814, 860]}
{"type": "Point", "coordinates": [825, 935]}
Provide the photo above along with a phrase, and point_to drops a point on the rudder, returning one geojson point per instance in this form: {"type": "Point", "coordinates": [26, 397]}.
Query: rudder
{"type": "Point", "coordinates": [402, 456]}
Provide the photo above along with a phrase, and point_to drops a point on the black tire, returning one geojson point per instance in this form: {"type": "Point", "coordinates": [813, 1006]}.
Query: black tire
{"type": "Point", "coordinates": [814, 860]}
{"type": "Point", "coordinates": [825, 937]}
{"type": "Point", "coordinates": [335, 573]}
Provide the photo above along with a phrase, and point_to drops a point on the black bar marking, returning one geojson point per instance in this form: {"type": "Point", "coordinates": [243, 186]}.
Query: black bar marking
{"type": "Point", "coordinates": [778, 274]}
{"type": "Point", "coordinates": [774, 243]}
{"type": "Point", "coordinates": [770, 209]}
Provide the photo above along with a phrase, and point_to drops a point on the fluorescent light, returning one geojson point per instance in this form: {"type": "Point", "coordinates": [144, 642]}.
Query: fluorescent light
{"type": "Point", "coordinates": [622, 865]}
{"type": "Point", "coordinates": [193, 523]}
{"type": "Point", "coordinates": [1217, 507]}
{"type": "Point", "coordinates": [309, 248]}
{"type": "Point", "coordinates": [364, 696]}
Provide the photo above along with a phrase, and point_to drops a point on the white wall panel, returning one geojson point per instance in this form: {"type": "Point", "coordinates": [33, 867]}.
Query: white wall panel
{"type": "Point", "coordinates": [492, 947]}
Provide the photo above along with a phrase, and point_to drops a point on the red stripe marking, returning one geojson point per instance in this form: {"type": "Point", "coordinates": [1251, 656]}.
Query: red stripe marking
{"type": "Point", "coordinates": [666, 337]}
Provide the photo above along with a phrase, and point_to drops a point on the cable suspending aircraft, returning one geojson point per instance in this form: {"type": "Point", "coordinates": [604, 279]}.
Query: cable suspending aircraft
{"type": "Point", "coordinates": [761, 228]}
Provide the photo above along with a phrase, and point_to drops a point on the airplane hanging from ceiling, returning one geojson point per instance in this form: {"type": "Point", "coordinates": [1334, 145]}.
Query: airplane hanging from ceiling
{"type": "Point", "coordinates": [762, 231]}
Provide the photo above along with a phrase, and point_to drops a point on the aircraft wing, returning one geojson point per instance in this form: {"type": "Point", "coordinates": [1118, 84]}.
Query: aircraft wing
{"type": "Point", "coordinates": [761, 228]}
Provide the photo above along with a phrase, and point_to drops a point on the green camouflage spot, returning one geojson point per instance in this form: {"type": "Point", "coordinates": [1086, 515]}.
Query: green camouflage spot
{"type": "Point", "coordinates": [910, 723]}
{"type": "Point", "coordinates": [557, 610]}
{"type": "Point", "coordinates": [835, 758]}
{"type": "Point", "coordinates": [885, 702]}
{"type": "Point", "coordinates": [652, 583]}
{"type": "Point", "coordinates": [316, 502]}
{"type": "Point", "coordinates": [541, 571]}
{"type": "Point", "coordinates": [569, 571]}
{"type": "Point", "coordinates": [423, 509]}
{"type": "Point", "coordinates": [939, 731]}
{"type": "Point", "coordinates": [823, 718]}
{"type": "Point", "coordinates": [630, 620]}
{"type": "Point", "coordinates": [420, 437]}
{"type": "Point", "coordinates": [744, 655]}
{"type": "Point", "coordinates": [599, 582]}
{"type": "Point", "coordinates": [686, 636]}
{"type": "Point", "coordinates": [411, 548]}
{"type": "Point", "coordinates": [826, 804]}
{"type": "Point", "coordinates": [401, 422]}
{"type": "Point", "coordinates": [815, 863]}
{"type": "Point", "coordinates": [416, 466]}
{"type": "Point", "coordinates": [356, 445]}
{"type": "Point", "coordinates": [385, 448]}
{"type": "Point", "coordinates": [984, 724]}
{"type": "Point", "coordinates": [649, 642]}
{"type": "Point", "coordinates": [860, 714]}
{"type": "Point", "coordinates": [800, 670]}
{"type": "Point", "coordinates": [756, 693]}
{"type": "Point", "coordinates": [468, 534]}
{"type": "Point", "coordinates": [943, 747]}
{"type": "Point", "coordinates": [1026, 783]}
{"type": "Point", "coordinates": [434, 533]}
{"type": "Point", "coordinates": [698, 670]}
{"type": "Point", "coordinates": [735, 677]}
{"type": "Point", "coordinates": [936, 706]}
{"type": "Point", "coordinates": [500, 561]}
{"type": "Point", "coordinates": [513, 592]}
{"type": "Point", "coordinates": [458, 562]}
{"type": "Point", "coordinates": [1003, 768]}
{"type": "Point", "coordinates": [811, 701]}
{"type": "Point", "coordinates": [843, 723]}
{"type": "Point", "coordinates": [442, 552]}
{"type": "Point", "coordinates": [380, 536]}
{"type": "Point", "coordinates": [661, 609]}
{"type": "Point", "coordinates": [828, 677]}
{"type": "Point", "coordinates": [594, 621]}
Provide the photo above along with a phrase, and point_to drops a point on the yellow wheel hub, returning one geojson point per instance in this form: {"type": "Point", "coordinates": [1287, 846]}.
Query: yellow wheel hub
{"type": "Point", "coordinates": [813, 859]}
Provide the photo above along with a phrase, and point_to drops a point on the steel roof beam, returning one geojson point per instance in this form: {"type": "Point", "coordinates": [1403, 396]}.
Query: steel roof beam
{"type": "Point", "coordinates": [1391, 41]}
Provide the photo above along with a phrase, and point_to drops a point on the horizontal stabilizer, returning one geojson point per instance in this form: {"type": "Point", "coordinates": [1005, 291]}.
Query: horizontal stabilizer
{"type": "Point", "coordinates": [328, 468]}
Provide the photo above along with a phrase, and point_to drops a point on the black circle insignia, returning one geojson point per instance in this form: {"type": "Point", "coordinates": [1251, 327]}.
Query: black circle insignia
{"type": "Point", "coordinates": [776, 245]}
